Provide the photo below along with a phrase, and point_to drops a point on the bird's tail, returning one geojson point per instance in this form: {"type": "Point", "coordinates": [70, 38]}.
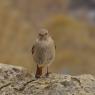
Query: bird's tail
{"type": "Point", "coordinates": [38, 72]}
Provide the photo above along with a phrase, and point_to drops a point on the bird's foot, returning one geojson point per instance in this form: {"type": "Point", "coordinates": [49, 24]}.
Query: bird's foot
{"type": "Point", "coordinates": [37, 76]}
{"type": "Point", "coordinates": [47, 74]}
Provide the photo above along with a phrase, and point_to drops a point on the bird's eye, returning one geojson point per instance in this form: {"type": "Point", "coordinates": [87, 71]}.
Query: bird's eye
{"type": "Point", "coordinates": [46, 33]}
{"type": "Point", "coordinates": [40, 35]}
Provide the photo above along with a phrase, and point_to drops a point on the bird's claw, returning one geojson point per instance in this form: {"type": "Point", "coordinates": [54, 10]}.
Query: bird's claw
{"type": "Point", "coordinates": [37, 76]}
{"type": "Point", "coordinates": [47, 74]}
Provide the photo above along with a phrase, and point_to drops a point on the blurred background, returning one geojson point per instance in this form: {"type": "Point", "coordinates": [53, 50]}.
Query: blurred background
{"type": "Point", "coordinates": [70, 22]}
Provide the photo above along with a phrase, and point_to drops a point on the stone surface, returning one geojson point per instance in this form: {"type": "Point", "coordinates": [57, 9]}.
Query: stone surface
{"type": "Point", "coordinates": [18, 81]}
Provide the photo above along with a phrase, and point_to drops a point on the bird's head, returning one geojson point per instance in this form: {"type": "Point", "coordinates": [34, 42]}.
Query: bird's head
{"type": "Point", "coordinates": [43, 34]}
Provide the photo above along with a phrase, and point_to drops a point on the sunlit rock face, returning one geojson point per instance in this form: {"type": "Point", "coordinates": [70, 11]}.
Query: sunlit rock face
{"type": "Point", "coordinates": [18, 81]}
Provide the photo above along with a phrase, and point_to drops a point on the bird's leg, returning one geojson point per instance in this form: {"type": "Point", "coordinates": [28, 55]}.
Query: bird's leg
{"type": "Point", "coordinates": [38, 72]}
{"type": "Point", "coordinates": [47, 72]}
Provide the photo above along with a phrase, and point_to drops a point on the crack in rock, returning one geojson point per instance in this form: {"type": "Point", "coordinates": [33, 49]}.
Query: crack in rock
{"type": "Point", "coordinates": [6, 85]}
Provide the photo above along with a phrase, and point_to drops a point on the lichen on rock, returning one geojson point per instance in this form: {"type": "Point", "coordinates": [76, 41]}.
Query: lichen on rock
{"type": "Point", "coordinates": [18, 81]}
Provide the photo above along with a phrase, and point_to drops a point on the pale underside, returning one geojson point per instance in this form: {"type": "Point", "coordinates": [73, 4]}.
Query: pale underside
{"type": "Point", "coordinates": [44, 52]}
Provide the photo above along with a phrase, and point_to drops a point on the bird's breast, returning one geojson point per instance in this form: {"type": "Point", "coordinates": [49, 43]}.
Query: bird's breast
{"type": "Point", "coordinates": [44, 53]}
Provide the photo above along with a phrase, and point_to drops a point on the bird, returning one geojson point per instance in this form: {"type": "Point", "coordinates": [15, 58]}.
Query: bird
{"type": "Point", "coordinates": [43, 51]}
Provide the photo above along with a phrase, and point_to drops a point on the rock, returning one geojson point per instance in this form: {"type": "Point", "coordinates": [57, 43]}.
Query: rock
{"type": "Point", "coordinates": [18, 81]}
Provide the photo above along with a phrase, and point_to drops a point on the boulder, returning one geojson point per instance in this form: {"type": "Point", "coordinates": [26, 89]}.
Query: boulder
{"type": "Point", "coordinates": [16, 80]}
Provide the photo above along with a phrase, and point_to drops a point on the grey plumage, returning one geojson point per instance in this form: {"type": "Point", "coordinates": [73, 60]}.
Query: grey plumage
{"type": "Point", "coordinates": [44, 49]}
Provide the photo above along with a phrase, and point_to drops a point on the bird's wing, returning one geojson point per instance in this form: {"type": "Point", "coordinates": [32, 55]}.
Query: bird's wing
{"type": "Point", "coordinates": [33, 49]}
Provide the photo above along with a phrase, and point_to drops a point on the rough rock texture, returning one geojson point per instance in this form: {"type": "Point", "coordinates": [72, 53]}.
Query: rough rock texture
{"type": "Point", "coordinates": [17, 81]}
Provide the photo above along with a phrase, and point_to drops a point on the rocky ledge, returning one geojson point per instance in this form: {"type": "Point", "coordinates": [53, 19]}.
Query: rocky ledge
{"type": "Point", "coordinates": [18, 81]}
